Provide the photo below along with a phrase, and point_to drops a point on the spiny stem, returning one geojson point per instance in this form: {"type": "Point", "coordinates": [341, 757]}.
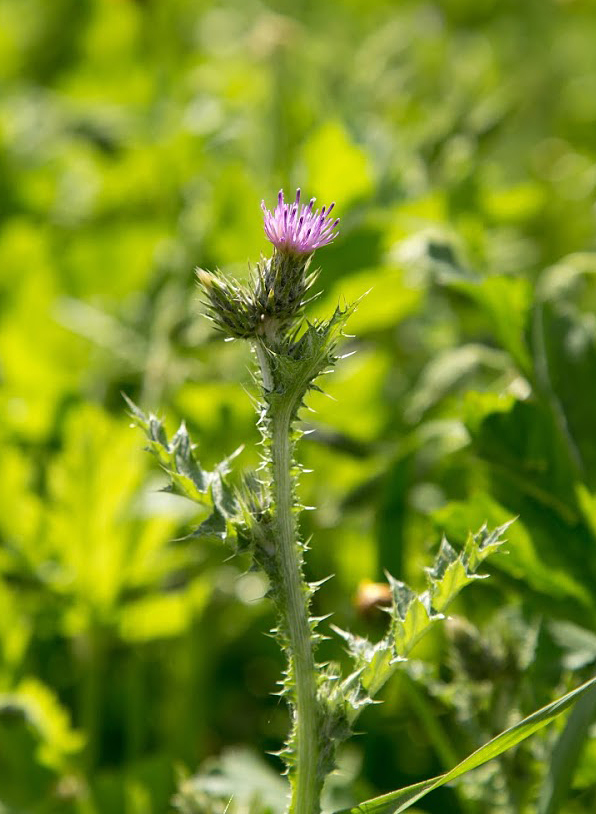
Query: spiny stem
{"type": "Point", "coordinates": [307, 785]}
{"type": "Point", "coordinates": [264, 365]}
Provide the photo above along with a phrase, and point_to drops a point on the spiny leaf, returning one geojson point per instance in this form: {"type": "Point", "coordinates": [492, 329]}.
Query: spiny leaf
{"type": "Point", "coordinates": [447, 576]}
{"type": "Point", "coordinates": [184, 460]}
{"type": "Point", "coordinates": [413, 615]}
{"type": "Point", "coordinates": [214, 527]}
{"type": "Point", "coordinates": [187, 477]}
{"type": "Point", "coordinates": [303, 357]}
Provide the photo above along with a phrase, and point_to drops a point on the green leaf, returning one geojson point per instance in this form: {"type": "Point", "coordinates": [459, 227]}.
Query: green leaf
{"type": "Point", "coordinates": [99, 544]}
{"type": "Point", "coordinates": [214, 527]}
{"type": "Point", "coordinates": [535, 554]}
{"type": "Point", "coordinates": [564, 347]}
{"type": "Point", "coordinates": [448, 575]}
{"type": "Point", "coordinates": [185, 462]}
{"type": "Point", "coordinates": [187, 477]}
{"type": "Point", "coordinates": [39, 746]}
{"type": "Point", "coordinates": [504, 299]}
{"type": "Point", "coordinates": [413, 615]}
{"type": "Point", "coordinates": [402, 799]}
{"type": "Point", "coordinates": [306, 355]}
{"type": "Point", "coordinates": [450, 371]}
{"type": "Point", "coordinates": [566, 752]}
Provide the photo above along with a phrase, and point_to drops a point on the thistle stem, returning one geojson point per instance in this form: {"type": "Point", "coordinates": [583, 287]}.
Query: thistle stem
{"type": "Point", "coordinates": [306, 782]}
{"type": "Point", "coordinates": [264, 365]}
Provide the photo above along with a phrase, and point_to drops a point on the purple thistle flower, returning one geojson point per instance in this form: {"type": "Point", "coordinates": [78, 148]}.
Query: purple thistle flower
{"type": "Point", "coordinates": [299, 229]}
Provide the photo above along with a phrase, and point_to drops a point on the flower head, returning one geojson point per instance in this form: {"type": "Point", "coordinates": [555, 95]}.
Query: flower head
{"type": "Point", "coordinates": [299, 229]}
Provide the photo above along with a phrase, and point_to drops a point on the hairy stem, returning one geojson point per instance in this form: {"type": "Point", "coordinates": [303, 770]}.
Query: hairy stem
{"type": "Point", "coordinates": [306, 785]}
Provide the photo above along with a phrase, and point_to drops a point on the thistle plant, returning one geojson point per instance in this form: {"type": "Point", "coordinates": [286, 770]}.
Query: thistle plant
{"type": "Point", "coordinates": [261, 516]}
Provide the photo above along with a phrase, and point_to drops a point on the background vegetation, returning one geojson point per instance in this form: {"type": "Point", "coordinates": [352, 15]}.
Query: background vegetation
{"type": "Point", "coordinates": [136, 141]}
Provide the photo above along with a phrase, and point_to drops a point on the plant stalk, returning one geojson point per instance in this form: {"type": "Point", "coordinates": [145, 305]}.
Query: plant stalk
{"type": "Point", "coordinates": [307, 785]}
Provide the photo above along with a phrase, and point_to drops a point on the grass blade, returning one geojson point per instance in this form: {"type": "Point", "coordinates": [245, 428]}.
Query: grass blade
{"type": "Point", "coordinates": [565, 755]}
{"type": "Point", "coordinates": [402, 799]}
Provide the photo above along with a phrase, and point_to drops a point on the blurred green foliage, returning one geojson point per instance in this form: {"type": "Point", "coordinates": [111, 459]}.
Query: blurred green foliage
{"type": "Point", "coordinates": [137, 138]}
